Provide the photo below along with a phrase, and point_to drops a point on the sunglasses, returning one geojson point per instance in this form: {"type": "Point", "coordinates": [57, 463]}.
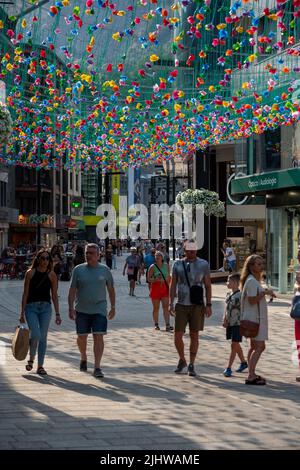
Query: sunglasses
{"type": "Point", "coordinates": [44, 258]}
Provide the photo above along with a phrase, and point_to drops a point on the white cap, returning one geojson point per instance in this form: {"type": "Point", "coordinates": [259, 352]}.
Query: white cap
{"type": "Point", "coordinates": [190, 246]}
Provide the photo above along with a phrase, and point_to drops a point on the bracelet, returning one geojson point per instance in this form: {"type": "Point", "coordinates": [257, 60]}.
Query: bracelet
{"type": "Point", "coordinates": [208, 305]}
{"type": "Point", "coordinates": [57, 314]}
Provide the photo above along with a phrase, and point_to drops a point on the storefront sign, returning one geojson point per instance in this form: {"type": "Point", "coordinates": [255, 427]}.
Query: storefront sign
{"type": "Point", "coordinates": [266, 182]}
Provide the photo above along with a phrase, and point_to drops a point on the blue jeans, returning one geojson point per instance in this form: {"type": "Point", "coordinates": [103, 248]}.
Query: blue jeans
{"type": "Point", "coordinates": [232, 265]}
{"type": "Point", "coordinates": [38, 316]}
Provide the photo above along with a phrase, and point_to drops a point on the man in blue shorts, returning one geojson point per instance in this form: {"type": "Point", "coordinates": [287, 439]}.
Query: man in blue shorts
{"type": "Point", "coordinates": [88, 289]}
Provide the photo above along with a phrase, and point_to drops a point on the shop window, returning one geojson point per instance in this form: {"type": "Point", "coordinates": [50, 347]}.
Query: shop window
{"type": "Point", "coordinates": [3, 194]}
{"type": "Point", "coordinates": [241, 157]}
{"type": "Point", "coordinates": [271, 150]}
{"type": "Point", "coordinates": [266, 37]}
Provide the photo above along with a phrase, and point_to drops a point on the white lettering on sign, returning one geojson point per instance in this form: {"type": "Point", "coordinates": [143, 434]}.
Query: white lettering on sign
{"type": "Point", "coordinates": [254, 184]}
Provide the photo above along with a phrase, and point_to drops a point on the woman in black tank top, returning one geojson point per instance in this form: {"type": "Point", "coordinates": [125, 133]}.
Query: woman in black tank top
{"type": "Point", "coordinates": [40, 279]}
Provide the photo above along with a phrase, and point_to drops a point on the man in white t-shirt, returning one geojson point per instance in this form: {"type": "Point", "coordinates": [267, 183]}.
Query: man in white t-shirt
{"type": "Point", "coordinates": [230, 257]}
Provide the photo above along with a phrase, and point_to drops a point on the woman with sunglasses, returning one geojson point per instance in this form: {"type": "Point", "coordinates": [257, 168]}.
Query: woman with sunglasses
{"type": "Point", "coordinates": [40, 279]}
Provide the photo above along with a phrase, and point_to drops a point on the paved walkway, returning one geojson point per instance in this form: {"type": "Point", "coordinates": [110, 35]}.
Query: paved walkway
{"type": "Point", "coordinates": [141, 403]}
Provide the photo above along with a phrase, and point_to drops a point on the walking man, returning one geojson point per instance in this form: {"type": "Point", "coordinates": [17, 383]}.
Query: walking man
{"type": "Point", "coordinates": [88, 289]}
{"type": "Point", "coordinates": [188, 276]}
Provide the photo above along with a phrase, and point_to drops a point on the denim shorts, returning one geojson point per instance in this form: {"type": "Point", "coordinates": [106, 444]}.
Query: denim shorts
{"type": "Point", "coordinates": [90, 323]}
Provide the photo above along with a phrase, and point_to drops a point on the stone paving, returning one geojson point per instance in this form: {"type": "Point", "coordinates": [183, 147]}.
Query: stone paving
{"type": "Point", "coordinates": [141, 403]}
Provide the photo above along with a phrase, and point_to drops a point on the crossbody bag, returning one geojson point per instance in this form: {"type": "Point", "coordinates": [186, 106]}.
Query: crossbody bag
{"type": "Point", "coordinates": [249, 328]}
{"type": "Point", "coordinates": [196, 292]}
{"type": "Point", "coordinates": [167, 285]}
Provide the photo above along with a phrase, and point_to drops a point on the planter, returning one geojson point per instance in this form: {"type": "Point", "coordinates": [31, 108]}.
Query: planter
{"type": "Point", "coordinates": [209, 199]}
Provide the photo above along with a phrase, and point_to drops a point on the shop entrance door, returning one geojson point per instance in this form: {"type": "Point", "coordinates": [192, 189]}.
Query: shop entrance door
{"type": "Point", "coordinates": [282, 247]}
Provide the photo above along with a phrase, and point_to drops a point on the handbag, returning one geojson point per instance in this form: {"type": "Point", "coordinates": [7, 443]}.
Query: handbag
{"type": "Point", "coordinates": [295, 310]}
{"type": "Point", "coordinates": [20, 342]}
{"type": "Point", "coordinates": [248, 328]}
{"type": "Point", "coordinates": [196, 292]}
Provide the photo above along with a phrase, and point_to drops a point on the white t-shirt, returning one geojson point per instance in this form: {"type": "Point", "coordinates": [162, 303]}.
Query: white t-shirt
{"type": "Point", "coordinates": [256, 312]}
{"type": "Point", "coordinates": [230, 254]}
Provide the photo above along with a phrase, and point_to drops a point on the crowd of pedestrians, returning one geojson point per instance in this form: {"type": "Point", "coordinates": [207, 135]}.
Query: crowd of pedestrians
{"type": "Point", "coordinates": [184, 293]}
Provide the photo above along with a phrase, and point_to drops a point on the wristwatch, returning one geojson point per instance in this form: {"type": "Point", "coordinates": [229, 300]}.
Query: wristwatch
{"type": "Point", "coordinates": [208, 305]}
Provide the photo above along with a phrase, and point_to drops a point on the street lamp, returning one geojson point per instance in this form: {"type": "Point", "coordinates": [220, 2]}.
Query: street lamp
{"type": "Point", "coordinates": [38, 208]}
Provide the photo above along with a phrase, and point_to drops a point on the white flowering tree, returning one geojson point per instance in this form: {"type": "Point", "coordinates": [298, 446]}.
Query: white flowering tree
{"type": "Point", "coordinates": [210, 200]}
{"type": "Point", "coordinates": [6, 125]}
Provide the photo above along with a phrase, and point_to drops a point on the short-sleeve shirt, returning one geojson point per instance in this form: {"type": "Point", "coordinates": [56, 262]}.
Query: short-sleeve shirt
{"type": "Point", "coordinates": [91, 285]}
{"type": "Point", "coordinates": [256, 312]}
{"type": "Point", "coordinates": [149, 259]}
{"type": "Point", "coordinates": [196, 270]}
{"type": "Point", "coordinates": [133, 261]}
{"type": "Point", "coordinates": [233, 308]}
{"type": "Point", "coordinates": [230, 254]}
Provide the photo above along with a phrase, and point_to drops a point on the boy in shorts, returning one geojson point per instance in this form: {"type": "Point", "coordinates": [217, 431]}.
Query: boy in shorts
{"type": "Point", "coordinates": [231, 321]}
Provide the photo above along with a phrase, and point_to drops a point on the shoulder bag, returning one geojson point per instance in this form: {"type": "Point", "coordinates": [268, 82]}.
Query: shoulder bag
{"type": "Point", "coordinates": [248, 328]}
{"type": "Point", "coordinates": [196, 292]}
{"type": "Point", "coordinates": [20, 342]}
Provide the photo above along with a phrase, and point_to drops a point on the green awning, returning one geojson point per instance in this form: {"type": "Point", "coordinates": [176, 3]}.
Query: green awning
{"type": "Point", "coordinates": [265, 182]}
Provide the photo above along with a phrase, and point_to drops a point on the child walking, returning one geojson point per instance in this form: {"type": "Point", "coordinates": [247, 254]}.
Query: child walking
{"type": "Point", "coordinates": [231, 321]}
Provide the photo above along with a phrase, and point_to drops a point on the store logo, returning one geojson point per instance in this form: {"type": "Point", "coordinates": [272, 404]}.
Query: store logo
{"type": "Point", "coordinates": [229, 196]}
{"type": "Point", "coordinates": [166, 222]}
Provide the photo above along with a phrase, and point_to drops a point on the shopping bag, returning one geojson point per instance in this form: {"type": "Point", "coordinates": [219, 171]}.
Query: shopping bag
{"type": "Point", "coordinates": [20, 342]}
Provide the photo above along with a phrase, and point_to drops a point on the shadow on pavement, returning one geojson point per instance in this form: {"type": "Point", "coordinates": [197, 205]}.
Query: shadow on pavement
{"type": "Point", "coordinates": [55, 429]}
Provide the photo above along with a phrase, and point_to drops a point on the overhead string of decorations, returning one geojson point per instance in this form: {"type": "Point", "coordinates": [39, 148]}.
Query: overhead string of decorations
{"type": "Point", "coordinates": [121, 85]}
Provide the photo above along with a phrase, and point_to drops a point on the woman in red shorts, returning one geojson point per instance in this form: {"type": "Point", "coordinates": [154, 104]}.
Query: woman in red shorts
{"type": "Point", "coordinates": [159, 279]}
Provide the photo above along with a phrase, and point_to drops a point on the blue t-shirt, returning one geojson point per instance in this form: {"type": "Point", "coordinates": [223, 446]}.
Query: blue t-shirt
{"type": "Point", "coordinates": [91, 288]}
{"type": "Point", "coordinates": [149, 259]}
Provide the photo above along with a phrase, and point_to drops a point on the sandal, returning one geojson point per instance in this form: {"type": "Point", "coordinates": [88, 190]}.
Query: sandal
{"type": "Point", "coordinates": [29, 365]}
{"type": "Point", "coordinates": [41, 371]}
{"type": "Point", "coordinates": [257, 381]}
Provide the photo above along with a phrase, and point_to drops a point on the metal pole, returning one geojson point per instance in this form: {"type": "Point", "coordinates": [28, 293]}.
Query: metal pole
{"type": "Point", "coordinates": [30, 9]}
{"type": "Point", "coordinates": [173, 191]}
{"type": "Point", "coordinates": [107, 188]}
{"type": "Point", "coordinates": [188, 173]}
{"type": "Point", "coordinates": [38, 208]}
{"type": "Point", "coordinates": [99, 186]}
{"type": "Point", "coordinates": [168, 202]}
{"type": "Point", "coordinates": [61, 184]}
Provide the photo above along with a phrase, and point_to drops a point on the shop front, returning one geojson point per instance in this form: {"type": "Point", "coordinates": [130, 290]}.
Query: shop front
{"type": "Point", "coordinates": [26, 229]}
{"type": "Point", "coordinates": [282, 196]}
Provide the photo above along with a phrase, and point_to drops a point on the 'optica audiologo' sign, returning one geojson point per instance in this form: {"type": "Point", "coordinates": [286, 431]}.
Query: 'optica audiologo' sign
{"type": "Point", "coordinates": [254, 184]}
